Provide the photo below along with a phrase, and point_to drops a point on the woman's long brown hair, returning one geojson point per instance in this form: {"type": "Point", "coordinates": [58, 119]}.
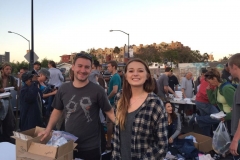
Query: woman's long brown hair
{"type": "Point", "coordinates": [124, 101]}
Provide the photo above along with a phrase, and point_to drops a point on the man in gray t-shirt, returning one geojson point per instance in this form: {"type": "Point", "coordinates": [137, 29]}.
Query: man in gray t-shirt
{"type": "Point", "coordinates": [162, 84]}
{"type": "Point", "coordinates": [81, 101]}
{"type": "Point", "coordinates": [187, 86]}
{"type": "Point", "coordinates": [234, 67]}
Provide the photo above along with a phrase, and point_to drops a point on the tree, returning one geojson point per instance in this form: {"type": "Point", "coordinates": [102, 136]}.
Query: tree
{"type": "Point", "coordinates": [44, 63]}
{"type": "Point", "coordinates": [149, 54]}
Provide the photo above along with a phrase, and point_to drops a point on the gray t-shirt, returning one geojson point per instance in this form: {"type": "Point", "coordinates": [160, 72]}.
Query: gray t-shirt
{"type": "Point", "coordinates": [126, 135]}
{"type": "Point", "coordinates": [161, 82]}
{"type": "Point", "coordinates": [235, 111]}
{"type": "Point", "coordinates": [187, 85]}
{"type": "Point", "coordinates": [82, 112]}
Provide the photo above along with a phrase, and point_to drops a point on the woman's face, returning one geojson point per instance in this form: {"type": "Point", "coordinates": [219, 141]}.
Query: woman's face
{"type": "Point", "coordinates": [136, 74]}
{"type": "Point", "coordinates": [213, 82]}
{"type": "Point", "coordinates": [169, 108]}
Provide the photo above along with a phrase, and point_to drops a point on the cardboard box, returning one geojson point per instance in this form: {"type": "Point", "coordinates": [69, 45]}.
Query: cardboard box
{"type": "Point", "coordinates": [40, 151]}
{"type": "Point", "coordinates": [23, 145]}
{"type": "Point", "coordinates": [204, 142]}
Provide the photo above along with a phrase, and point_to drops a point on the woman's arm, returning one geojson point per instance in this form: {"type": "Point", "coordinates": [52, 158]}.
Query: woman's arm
{"type": "Point", "coordinates": [179, 127]}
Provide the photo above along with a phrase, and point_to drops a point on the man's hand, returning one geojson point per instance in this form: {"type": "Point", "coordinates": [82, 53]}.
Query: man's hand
{"type": "Point", "coordinates": [44, 133]}
{"type": "Point", "coordinates": [170, 140]}
{"type": "Point", "coordinates": [233, 148]}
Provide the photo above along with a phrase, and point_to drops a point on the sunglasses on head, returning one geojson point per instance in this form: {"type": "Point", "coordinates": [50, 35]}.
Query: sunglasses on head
{"type": "Point", "coordinates": [83, 55]}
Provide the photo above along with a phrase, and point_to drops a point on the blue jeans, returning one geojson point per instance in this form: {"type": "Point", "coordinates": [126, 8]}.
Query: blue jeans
{"type": "Point", "coordinates": [204, 121]}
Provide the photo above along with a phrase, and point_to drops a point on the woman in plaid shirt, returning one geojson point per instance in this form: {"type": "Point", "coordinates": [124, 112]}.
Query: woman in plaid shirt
{"type": "Point", "coordinates": [141, 120]}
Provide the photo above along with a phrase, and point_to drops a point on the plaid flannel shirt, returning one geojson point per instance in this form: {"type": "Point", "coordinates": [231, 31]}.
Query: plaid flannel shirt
{"type": "Point", "coordinates": [149, 131]}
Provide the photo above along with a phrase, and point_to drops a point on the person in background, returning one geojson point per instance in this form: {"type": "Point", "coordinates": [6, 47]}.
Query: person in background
{"type": "Point", "coordinates": [7, 119]}
{"type": "Point", "coordinates": [93, 77]}
{"type": "Point", "coordinates": [113, 89]}
{"type": "Point", "coordinates": [173, 82]}
{"type": "Point", "coordinates": [226, 74]}
{"type": "Point", "coordinates": [81, 100]}
{"type": "Point", "coordinates": [56, 77]}
{"type": "Point", "coordinates": [48, 92]}
{"type": "Point", "coordinates": [163, 86]}
{"type": "Point", "coordinates": [187, 86]}
{"type": "Point", "coordinates": [204, 121]}
{"type": "Point", "coordinates": [120, 72]}
{"type": "Point", "coordinates": [20, 73]}
{"type": "Point", "coordinates": [222, 94]}
{"type": "Point", "coordinates": [30, 102]}
{"type": "Point", "coordinates": [234, 67]}
{"type": "Point", "coordinates": [141, 120]}
{"type": "Point", "coordinates": [36, 67]}
{"type": "Point", "coordinates": [174, 123]}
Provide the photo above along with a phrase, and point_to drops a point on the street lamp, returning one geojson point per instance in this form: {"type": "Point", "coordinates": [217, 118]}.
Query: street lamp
{"type": "Point", "coordinates": [126, 34]}
{"type": "Point", "coordinates": [22, 37]}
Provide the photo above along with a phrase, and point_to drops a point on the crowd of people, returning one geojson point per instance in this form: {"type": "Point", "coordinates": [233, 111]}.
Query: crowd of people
{"type": "Point", "coordinates": [134, 106]}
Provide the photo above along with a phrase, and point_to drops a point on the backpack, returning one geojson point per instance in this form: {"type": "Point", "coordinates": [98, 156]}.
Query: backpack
{"type": "Point", "coordinates": [227, 82]}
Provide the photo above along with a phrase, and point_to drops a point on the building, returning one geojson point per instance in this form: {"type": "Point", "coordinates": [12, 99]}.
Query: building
{"type": "Point", "coordinates": [5, 57]}
{"type": "Point", "coordinates": [107, 54]}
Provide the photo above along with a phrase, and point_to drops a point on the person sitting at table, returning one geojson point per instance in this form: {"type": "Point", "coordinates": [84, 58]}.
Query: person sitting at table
{"type": "Point", "coordinates": [222, 95]}
{"type": "Point", "coordinates": [174, 123]}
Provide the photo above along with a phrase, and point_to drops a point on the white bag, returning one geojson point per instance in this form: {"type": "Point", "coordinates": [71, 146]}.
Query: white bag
{"type": "Point", "coordinates": [221, 139]}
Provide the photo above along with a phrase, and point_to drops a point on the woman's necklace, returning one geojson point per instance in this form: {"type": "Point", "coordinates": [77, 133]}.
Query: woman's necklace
{"type": "Point", "coordinates": [140, 97]}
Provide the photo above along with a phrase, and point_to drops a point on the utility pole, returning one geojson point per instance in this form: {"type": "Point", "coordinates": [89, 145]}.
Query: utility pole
{"type": "Point", "coordinates": [32, 39]}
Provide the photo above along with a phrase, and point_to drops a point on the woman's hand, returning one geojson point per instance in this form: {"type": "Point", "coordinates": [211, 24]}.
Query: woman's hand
{"type": "Point", "coordinates": [170, 140]}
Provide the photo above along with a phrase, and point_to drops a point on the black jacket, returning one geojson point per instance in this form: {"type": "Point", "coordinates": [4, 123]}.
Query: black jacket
{"type": "Point", "coordinates": [30, 111]}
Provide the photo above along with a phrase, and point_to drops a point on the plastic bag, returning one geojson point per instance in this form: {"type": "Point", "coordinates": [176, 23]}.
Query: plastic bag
{"type": "Point", "coordinates": [221, 139]}
{"type": "Point", "coordinates": [60, 138]}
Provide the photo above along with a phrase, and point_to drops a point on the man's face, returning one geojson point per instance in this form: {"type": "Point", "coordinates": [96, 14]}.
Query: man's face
{"type": "Point", "coordinates": [36, 67]}
{"type": "Point", "coordinates": [234, 71]}
{"type": "Point", "coordinates": [42, 78]}
{"type": "Point", "coordinates": [81, 69]}
{"type": "Point", "coordinates": [7, 70]}
{"type": "Point", "coordinates": [21, 73]}
{"type": "Point", "coordinates": [189, 76]}
{"type": "Point", "coordinates": [110, 68]}
{"type": "Point", "coordinates": [170, 74]}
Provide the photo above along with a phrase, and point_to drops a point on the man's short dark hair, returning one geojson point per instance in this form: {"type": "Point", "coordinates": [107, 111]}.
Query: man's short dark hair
{"type": "Point", "coordinates": [24, 68]}
{"type": "Point", "coordinates": [234, 60]}
{"type": "Point", "coordinates": [37, 63]}
{"type": "Point", "coordinates": [168, 69]}
{"type": "Point", "coordinates": [204, 70]}
{"type": "Point", "coordinates": [82, 55]}
{"type": "Point", "coordinates": [113, 64]}
{"type": "Point", "coordinates": [226, 64]}
{"type": "Point", "coordinates": [96, 63]}
{"type": "Point", "coordinates": [53, 64]}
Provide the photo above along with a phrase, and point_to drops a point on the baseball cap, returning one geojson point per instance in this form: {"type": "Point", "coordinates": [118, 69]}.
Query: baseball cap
{"type": "Point", "coordinates": [26, 76]}
{"type": "Point", "coordinates": [45, 72]}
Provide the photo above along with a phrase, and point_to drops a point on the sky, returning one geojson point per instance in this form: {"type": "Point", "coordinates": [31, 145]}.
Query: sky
{"type": "Point", "coordinates": [67, 26]}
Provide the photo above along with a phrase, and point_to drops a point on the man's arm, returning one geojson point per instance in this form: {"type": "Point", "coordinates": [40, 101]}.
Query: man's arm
{"type": "Point", "coordinates": [52, 122]}
{"type": "Point", "coordinates": [170, 90]}
{"type": "Point", "coordinates": [176, 87]}
{"type": "Point", "coordinates": [111, 115]}
{"type": "Point", "coordinates": [166, 89]}
{"type": "Point", "coordinates": [183, 92]}
{"type": "Point", "coordinates": [114, 92]}
{"type": "Point", "coordinates": [236, 138]}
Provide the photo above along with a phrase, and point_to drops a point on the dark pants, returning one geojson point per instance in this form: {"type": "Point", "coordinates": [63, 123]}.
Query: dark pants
{"type": "Point", "coordinates": [88, 155]}
{"type": "Point", "coordinates": [49, 105]}
{"type": "Point", "coordinates": [204, 121]}
{"type": "Point", "coordinates": [8, 125]}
